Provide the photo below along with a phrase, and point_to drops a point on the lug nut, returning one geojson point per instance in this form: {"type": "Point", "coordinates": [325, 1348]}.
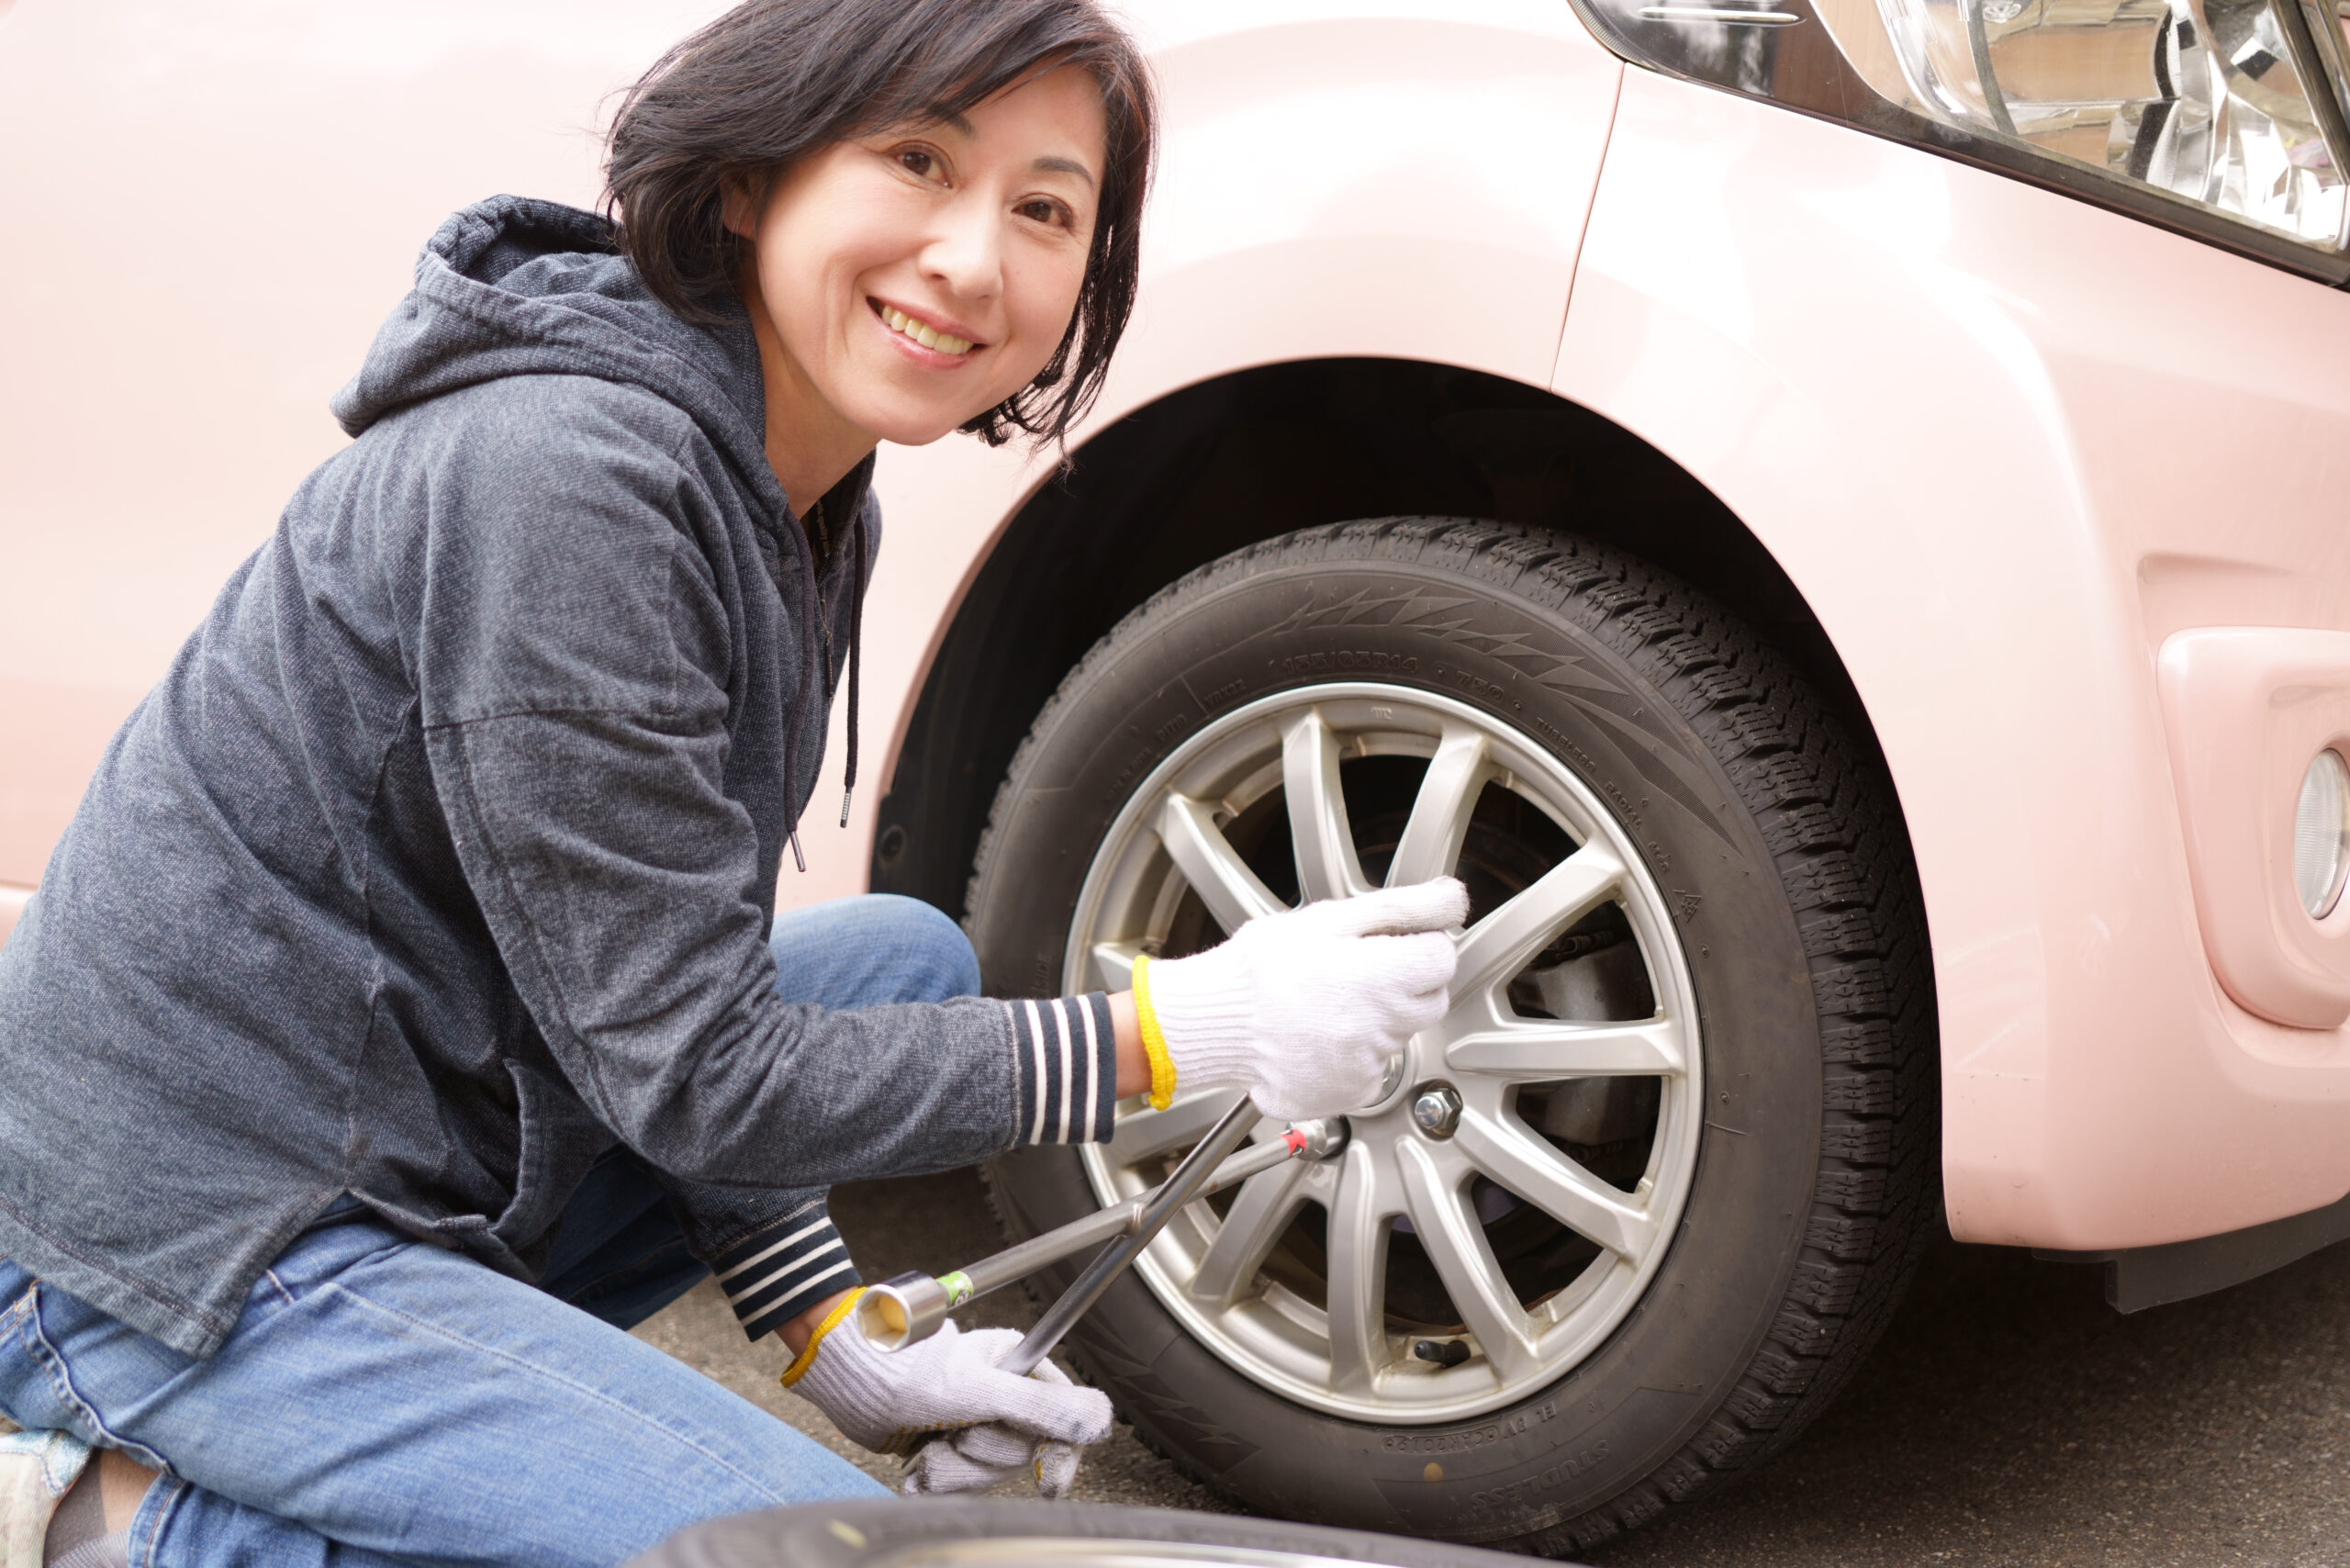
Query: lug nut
{"type": "Point", "coordinates": [1436, 1108]}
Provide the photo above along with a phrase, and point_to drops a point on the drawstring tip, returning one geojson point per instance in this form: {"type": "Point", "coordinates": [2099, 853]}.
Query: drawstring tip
{"type": "Point", "coordinates": [798, 859]}
{"type": "Point", "coordinates": [847, 795]}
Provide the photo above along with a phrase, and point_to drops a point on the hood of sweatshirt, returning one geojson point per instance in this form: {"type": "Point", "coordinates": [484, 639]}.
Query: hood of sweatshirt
{"type": "Point", "coordinates": [512, 286]}
{"type": "Point", "coordinates": [516, 286]}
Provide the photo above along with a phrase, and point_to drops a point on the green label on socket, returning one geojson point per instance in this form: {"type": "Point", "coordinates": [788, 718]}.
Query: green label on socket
{"type": "Point", "coordinates": [957, 1286]}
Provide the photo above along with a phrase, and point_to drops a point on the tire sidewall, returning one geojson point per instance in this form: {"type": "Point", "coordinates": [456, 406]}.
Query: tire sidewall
{"type": "Point", "coordinates": [1578, 686]}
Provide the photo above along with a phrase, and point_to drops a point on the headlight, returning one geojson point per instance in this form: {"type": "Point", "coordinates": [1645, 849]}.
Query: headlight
{"type": "Point", "coordinates": [2179, 110]}
{"type": "Point", "coordinates": [2321, 834]}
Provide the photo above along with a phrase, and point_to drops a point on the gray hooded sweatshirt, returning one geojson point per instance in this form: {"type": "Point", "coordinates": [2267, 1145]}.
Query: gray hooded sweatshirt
{"type": "Point", "coordinates": [441, 862]}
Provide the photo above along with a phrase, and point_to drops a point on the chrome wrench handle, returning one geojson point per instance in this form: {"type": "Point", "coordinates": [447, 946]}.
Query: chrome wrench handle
{"type": "Point", "coordinates": [909, 1308]}
{"type": "Point", "coordinates": [1182, 1185]}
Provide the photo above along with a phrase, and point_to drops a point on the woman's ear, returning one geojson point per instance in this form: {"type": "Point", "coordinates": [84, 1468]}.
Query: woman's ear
{"type": "Point", "coordinates": [738, 206]}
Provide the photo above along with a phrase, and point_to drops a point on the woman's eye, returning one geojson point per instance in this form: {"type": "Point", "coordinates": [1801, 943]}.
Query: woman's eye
{"type": "Point", "coordinates": [920, 165]}
{"type": "Point", "coordinates": [1041, 211]}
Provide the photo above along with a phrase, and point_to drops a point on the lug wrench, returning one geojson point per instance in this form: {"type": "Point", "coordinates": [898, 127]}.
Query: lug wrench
{"type": "Point", "coordinates": [909, 1308]}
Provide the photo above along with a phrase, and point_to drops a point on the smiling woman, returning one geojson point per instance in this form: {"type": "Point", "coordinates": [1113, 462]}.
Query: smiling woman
{"type": "Point", "coordinates": [1004, 152]}
{"type": "Point", "coordinates": [939, 229]}
{"type": "Point", "coordinates": [474, 1033]}
{"type": "Point", "coordinates": [913, 281]}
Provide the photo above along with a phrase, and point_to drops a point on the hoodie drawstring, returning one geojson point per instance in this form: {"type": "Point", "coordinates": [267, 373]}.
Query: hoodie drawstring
{"type": "Point", "coordinates": [856, 637]}
{"type": "Point", "coordinates": [855, 640]}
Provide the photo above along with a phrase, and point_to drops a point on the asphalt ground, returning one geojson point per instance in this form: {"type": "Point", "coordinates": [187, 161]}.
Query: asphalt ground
{"type": "Point", "coordinates": [2008, 1417]}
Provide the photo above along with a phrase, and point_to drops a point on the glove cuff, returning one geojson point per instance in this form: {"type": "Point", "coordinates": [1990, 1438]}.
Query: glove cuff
{"type": "Point", "coordinates": [1207, 1021]}
{"type": "Point", "coordinates": [1154, 1038]}
{"type": "Point", "coordinates": [833, 1319]}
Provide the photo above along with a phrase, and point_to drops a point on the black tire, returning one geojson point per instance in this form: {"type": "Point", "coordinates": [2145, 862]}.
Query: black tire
{"type": "Point", "coordinates": [854, 1535]}
{"type": "Point", "coordinates": [1815, 1185]}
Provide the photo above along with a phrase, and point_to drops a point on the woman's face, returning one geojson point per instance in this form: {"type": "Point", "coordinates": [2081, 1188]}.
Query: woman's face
{"type": "Point", "coordinates": [914, 279]}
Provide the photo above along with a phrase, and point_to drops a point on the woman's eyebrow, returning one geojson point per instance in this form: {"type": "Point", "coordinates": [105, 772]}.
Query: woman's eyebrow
{"type": "Point", "coordinates": [1048, 165]}
{"type": "Point", "coordinates": [1064, 166]}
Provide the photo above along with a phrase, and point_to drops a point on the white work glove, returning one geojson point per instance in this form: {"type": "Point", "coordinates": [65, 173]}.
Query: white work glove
{"type": "Point", "coordinates": [997, 1426]}
{"type": "Point", "coordinates": [979, 1457]}
{"type": "Point", "coordinates": [1304, 1009]}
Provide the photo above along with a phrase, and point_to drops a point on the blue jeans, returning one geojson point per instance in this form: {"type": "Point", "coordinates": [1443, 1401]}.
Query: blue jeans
{"type": "Point", "coordinates": [383, 1400]}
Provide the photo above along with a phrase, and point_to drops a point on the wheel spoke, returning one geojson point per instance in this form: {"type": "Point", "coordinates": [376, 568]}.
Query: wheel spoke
{"type": "Point", "coordinates": [1233, 893]}
{"type": "Point", "coordinates": [1358, 1273]}
{"type": "Point", "coordinates": [1327, 864]}
{"type": "Point", "coordinates": [1149, 1134]}
{"type": "Point", "coordinates": [1266, 1203]}
{"type": "Point", "coordinates": [1456, 1244]}
{"type": "Point", "coordinates": [1114, 964]}
{"type": "Point", "coordinates": [1556, 1185]}
{"type": "Point", "coordinates": [1431, 844]}
{"type": "Point", "coordinates": [1499, 946]}
{"type": "Point", "coordinates": [1525, 1051]}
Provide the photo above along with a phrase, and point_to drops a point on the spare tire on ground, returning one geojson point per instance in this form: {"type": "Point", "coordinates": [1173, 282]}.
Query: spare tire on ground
{"type": "Point", "coordinates": [937, 1532]}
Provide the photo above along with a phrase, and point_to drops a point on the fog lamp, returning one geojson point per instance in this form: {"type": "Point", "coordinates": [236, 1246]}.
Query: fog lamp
{"type": "Point", "coordinates": [2321, 833]}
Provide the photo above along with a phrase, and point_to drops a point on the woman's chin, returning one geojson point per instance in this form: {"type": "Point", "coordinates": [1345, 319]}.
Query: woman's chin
{"type": "Point", "coordinates": [921, 429]}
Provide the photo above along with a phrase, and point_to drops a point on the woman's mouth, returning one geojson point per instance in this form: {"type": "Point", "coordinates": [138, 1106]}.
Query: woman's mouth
{"type": "Point", "coordinates": [921, 331]}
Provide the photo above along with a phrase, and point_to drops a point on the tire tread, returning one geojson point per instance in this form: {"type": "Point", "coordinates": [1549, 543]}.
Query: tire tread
{"type": "Point", "coordinates": [1828, 819]}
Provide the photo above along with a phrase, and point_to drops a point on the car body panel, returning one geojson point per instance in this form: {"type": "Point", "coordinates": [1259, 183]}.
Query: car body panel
{"type": "Point", "coordinates": [221, 202]}
{"type": "Point", "coordinates": [2006, 443]}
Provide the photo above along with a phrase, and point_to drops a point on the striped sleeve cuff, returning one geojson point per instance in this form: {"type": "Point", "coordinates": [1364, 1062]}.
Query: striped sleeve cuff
{"type": "Point", "coordinates": [783, 1270]}
{"type": "Point", "coordinates": [1065, 1065]}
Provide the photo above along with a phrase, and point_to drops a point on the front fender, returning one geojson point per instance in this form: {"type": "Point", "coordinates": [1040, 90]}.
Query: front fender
{"type": "Point", "coordinates": [2006, 443]}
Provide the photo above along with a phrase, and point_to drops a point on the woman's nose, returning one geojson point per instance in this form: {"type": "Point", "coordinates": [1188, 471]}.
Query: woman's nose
{"type": "Point", "coordinates": [966, 251]}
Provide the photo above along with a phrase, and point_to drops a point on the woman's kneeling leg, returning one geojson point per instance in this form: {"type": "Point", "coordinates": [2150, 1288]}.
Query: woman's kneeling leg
{"type": "Point", "coordinates": [382, 1399]}
{"type": "Point", "coordinates": [870, 951]}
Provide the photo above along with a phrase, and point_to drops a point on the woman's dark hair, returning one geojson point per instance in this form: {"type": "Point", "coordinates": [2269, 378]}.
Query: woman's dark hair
{"type": "Point", "coordinates": [773, 81]}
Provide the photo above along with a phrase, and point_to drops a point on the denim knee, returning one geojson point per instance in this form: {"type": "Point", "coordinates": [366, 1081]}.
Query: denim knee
{"type": "Point", "coordinates": [934, 958]}
{"type": "Point", "coordinates": [941, 962]}
{"type": "Point", "coordinates": [871, 950]}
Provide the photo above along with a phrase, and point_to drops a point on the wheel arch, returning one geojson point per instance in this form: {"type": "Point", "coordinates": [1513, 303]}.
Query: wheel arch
{"type": "Point", "coordinates": [1241, 458]}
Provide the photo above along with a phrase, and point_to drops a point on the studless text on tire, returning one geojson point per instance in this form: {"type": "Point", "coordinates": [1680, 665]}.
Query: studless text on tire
{"type": "Point", "coordinates": [1627, 1218]}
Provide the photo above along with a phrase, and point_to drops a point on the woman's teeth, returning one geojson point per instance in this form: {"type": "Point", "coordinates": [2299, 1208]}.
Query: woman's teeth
{"type": "Point", "coordinates": [924, 333]}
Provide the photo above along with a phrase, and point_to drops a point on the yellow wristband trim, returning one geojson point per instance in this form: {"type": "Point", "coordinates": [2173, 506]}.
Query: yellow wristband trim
{"type": "Point", "coordinates": [807, 1357]}
{"type": "Point", "coordinates": [1154, 1044]}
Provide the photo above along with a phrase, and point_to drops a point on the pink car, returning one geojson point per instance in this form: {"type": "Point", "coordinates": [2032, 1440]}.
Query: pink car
{"type": "Point", "coordinates": [1834, 516]}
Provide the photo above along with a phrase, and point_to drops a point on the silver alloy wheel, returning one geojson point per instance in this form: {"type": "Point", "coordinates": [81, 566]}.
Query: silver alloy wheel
{"type": "Point", "coordinates": [1064, 1551]}
{"type": "Point", "coordinates": [1346, 1355]}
